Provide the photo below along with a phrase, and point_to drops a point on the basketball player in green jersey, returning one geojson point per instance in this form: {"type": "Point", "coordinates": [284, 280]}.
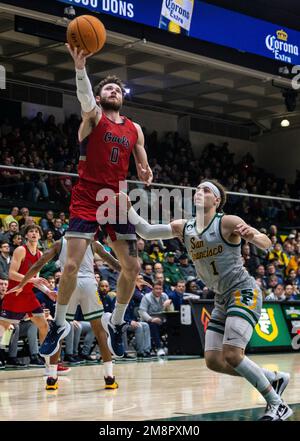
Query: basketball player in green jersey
{"type": "Point", "coordinates": [213, 241]}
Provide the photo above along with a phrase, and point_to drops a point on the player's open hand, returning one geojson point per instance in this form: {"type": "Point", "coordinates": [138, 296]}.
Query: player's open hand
{"type": "Point", "coordinates": [17, 289]}
{"type": "Point", "coordinates": [78, 56]}
{"type": "Point", "coordinates": [245, 231]}
{"type": "Point", "coordinates": [145, 174]}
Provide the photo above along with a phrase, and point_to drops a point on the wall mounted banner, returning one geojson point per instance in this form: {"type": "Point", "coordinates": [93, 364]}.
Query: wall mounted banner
{"type": "Point", "coordinates": [205, 22]}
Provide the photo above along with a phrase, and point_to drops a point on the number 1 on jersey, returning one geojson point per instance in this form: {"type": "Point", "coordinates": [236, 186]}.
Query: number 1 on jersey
{"type": "Point", "coordinates": [213, 264]}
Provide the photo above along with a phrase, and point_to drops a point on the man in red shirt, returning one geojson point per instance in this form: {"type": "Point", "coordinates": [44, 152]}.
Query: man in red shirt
{"type": "Point", "coordinates": [107, 140]}
{"type": "Point", "coordinates": [15, 306]}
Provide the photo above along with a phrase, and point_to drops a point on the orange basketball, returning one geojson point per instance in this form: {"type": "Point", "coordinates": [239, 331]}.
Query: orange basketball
{"type": "Point", "coordinates": [87, 33]}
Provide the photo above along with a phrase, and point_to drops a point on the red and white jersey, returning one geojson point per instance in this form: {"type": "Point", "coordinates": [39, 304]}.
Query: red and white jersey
{"type": "Point", "coordinates": [105, 153]}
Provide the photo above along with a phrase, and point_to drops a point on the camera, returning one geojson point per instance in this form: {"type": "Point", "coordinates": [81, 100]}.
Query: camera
{"type": "Point", "coordinates": [69, 12]}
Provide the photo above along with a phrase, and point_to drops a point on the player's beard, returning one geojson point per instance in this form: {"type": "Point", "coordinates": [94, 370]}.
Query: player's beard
{"type": "Point", "coordinates": [107, 104]}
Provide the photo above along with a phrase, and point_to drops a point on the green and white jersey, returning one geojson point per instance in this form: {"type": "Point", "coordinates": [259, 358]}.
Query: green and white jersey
{"type": "Point", "coordinates": [218, 263]}
{"type": "Point", "coordinates": [86, 268]}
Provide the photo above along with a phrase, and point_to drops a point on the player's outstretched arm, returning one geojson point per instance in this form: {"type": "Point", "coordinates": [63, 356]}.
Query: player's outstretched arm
{"type": "Point", "coordinates": [84, 89]}
{"type": "Point", "coordinates": [148, 231]}
{"type": "Point", "coordinates": [237, 227]}
{"type": "Point", "coordinates": [140, 156]}
{"type": "Point", "coordinates": [35, 268]}
{"type": "Point", "coordinates": [99, 249]}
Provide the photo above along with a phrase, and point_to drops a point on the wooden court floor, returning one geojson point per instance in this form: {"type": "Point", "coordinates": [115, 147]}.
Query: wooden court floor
{"type": "Point", "coordinates": [164, 389]}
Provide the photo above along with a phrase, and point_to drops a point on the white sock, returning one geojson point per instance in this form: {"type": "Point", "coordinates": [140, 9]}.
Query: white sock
{"type": "Point", "coordinates": [117, 317]}
{"type": "Point", "coordinates": [255, 375]}
{"type": "Point", "coordinates": [60, 314]}
{"type": "Point", "coordinates": [52, 370]}
{"type": "Point", "coordinates": [271, 375]}
{"type": "Point", "coordinates": [108, 369]}
{"type": "Point", "coordinates": [47, 360]}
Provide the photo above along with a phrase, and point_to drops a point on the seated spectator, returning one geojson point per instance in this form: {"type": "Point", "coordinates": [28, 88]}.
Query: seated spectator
{"type": "Point", "coordinates": [106, 299]}
{"type": "Point", "coordinates": [292, 277]}
{"type": "Point", "coordinates": [160, 278]}
{"type": "Point", "coordinates": [157, 268]}
{"type": "Point", "coordinates": [13, 228]}
{"type": "Point", "coordinates": [171, 270]}
{"type": "Point", "coordinates": [140, 328]}
{"type": "Point", "coordinates": [47, 222]}
{"type": "Point", "coordinates": [64, 222]}
{"type": "Point", "coordinates": [260, 273]}
{"type": "Point", "coordinates": [177, 295]}
{"type": "Point", "coordinates": [278, 294]}
{"type": "Point", "coordinates": [186, 268]}
{"type": "Point", "coordinates": [155, 252]}
{"type": "Point", "coordinates": [151, 307]}
{"type": "Point", "coordinates": [279, 255]}
{"type": "Point", "coordinates": [58, 230]}
{"type": "Point", "coordinates": [110, 275]}
{"type": "Point", "coordinates": [271, 270]}
{"type": "Point", "coordinates": [25, 328]}
{"type": "Point", "coordinates": [48, 240]}
{"type": "Point", "coordinates": [66, 183]}
{"type": "Point", "coordinates": [192, 287]}
{"type": "Point", "coordinates": [251, 260]}
{"type": "Point", "coordinates": [12, 217]}
{"type": "Point", "coordinates": [142, 254]}
{"type": "Point", "coordinates": [24, 215]}
{"type": "Point", "coordinates": [5, 258]}
{"type": "Point", "coordinates": [17, 240]}
{"type": "Point", "coordinates": [291, 293]}
{"type": "Point", "coordinates": [148, 273]}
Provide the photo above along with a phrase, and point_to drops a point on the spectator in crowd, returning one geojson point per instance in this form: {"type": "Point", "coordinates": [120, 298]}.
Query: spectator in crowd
{"type": "Point", "coordinates": [66, 183]}
{"type": "Point", "coordinates": [250, 260]}
{"type": "Point", "coordinates": [155, 252]}
{"type": "Point", "coordinates": [3, 290]}
{"type": "Point", "coordinates": [12, 229]}
{"type": "Point", "coordinates": [5, 258]}
{"type": "Point", "coordinates": [24, 215]}
{"type": "Point", "coordinates": [24, 329]}
{"type": "Point", "coordinates": [143, 255]}
{"type": "Point", "coordinates": [278, 295]}
{"type": "Point", "coordinates": [271, 270]}
{"type": "Point", "coordinates": [64, 222]}
{"type": "Point", "coordinates": [47, 222]}
{"type": "Point", "coordinates": [48, 240]}
{"type": "Point", "coordinates": [17, 240]}
{"type": "Point", "coordinates": [279, 255]}
{"type": "Point", "coordinates": [12, 217]}
{"type": "Point", "coordinates": [157, 268]}
{"type": "Point", "coordinates": [171, 270]}
{"type": "Point", "coordinates": [110, 275]}
{"type": "Point", "coordinates": [160, 278]}
{"type": "Point", "coordinates": [151, 308]}
{"type": "Point", "coordinates": [291, 293]}
{"type": "Point", "coordinates": [192, 287]}
{"type": "Point", "coordinates": [186, 268]}
{"type": "Point", "coordinates": [58, 230]}
{"type": "Point", "coordinates": [177, 295]}
{"type": "Point", "coordinates": [148, 273]}
{"type": "Point", "coordinates": [106, 299]}
{"type": "Point", "coordinates": [140, 329]}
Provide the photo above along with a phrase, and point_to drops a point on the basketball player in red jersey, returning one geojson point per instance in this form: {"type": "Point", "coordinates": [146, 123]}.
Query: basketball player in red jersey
{"type": "Point", "coordinates": [16, 306]}
{"type": "Point", "coordinates": [107, 140]}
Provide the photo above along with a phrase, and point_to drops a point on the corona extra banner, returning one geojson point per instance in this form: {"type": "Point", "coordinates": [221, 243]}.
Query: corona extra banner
{"type": "Point", "coordinates": [193, 18]}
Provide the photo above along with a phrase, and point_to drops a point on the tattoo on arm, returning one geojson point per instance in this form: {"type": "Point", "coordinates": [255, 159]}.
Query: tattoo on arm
{"type": "Point", "coordinates": [132, 248]}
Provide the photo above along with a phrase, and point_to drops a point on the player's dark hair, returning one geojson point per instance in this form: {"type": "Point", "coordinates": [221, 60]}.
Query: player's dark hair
{"type": "Point", "coordinates": [222, 192]}
{"type": "Point", "coordinates": [33, 227]}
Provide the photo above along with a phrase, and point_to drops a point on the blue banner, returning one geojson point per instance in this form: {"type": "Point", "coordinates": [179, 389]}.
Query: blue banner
{"type": "Point", "coordinates": [205, 22]}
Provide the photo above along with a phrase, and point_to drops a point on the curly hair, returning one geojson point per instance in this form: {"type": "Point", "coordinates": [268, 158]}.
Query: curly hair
{"type": "Point", "coordinates": [107, 80]}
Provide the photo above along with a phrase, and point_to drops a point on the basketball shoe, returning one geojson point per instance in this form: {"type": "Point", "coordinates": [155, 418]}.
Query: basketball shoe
{"type": "Point", "coordinates": [114, 335]}
{"type": "Point", "coordinates": [110, 383]}
{"type": "Point", "coordinates": [55, 334]}
{"type": "Point", "coordinates": [51, 383]}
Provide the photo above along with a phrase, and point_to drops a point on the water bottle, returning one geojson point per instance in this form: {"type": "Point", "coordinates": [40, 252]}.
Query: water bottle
{"type": "Point", "coordinates": [176, 16]}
